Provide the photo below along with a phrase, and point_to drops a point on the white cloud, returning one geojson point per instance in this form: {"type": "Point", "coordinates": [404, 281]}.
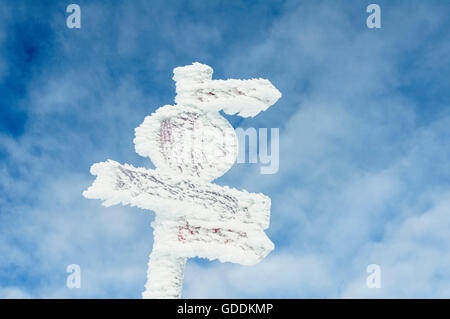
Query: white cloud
{"type": "Point", "coordinates": [13, 293]}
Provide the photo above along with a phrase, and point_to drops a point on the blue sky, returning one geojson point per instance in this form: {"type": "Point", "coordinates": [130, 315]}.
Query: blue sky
{"type": "Point", "coordinates": [364, 154]}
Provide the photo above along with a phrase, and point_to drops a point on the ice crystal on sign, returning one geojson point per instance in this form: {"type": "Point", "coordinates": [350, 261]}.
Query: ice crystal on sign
{"type": "Point", "coordinates": [191, 144]}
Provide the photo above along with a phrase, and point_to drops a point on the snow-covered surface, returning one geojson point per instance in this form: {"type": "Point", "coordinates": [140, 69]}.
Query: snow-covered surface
{"type": "Point", "coordinates": [245, 97]}
{"type": "Point", "coordinates": [204, 220]}
{"type": "Point", "coordinates": [191, 144]}
{"type": "Point", "coordinates": [195, 239]}
{"type": "Point", "coordinates": [188, 141]}
{"type": "Point", "coordinates": [164, 275]}
{"type": "Point", "coordinates": [173, 197]}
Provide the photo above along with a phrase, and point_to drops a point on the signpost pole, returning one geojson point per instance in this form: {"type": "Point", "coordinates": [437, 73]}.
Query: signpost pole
{"type": "Point", "coordinates": [164, 275]}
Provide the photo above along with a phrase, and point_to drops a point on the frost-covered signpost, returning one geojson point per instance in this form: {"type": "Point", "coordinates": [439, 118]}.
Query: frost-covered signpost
{"type": "Point", "coordinates": [191, 144]}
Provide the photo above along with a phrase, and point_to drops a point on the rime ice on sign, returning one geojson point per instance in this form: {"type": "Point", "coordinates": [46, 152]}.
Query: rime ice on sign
{"type": "Point", "coordinates": [191, 144]}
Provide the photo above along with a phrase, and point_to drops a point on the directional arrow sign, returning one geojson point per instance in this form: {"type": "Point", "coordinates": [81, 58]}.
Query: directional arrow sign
{"type": "Point", "coordinates": [190, 215]}
{"type": "Point", "coordinates": [191, 144]}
